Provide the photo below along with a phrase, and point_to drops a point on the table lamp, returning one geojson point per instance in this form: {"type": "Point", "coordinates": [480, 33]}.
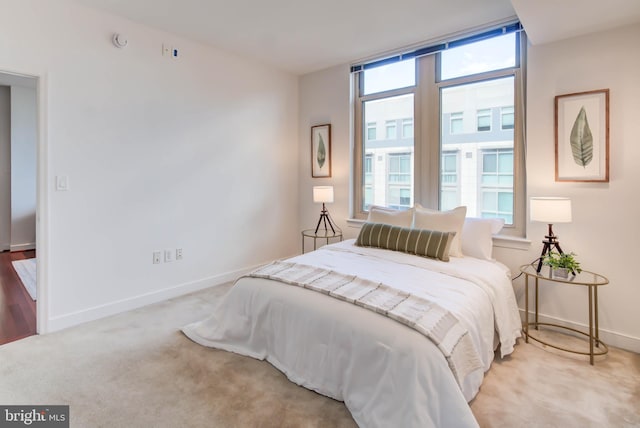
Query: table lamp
{"type": "Point", "coordinates": [323, 194]}
{"type": "Point", "coordinates": [549, 210]}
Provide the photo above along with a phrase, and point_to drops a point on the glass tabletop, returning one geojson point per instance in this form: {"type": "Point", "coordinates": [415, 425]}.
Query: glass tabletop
{"type": "Point", "coordinates": [583, 278]}
{"type": "Point", "coordinates": [322, 233]}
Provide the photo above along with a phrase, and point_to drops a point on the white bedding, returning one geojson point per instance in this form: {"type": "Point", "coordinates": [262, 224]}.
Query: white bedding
{"type": "Point", "coordinates": [386, 373]}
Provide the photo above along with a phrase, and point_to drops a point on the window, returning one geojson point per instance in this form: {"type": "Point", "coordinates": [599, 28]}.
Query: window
{"type": "Point", "coordinates": [368, 180]}
{"type": "Point", "coordinates": [387, 164]}
{"type": "Point", "coordinates": [392, 76]}
{"type": "Point", "coordinates": [484, 120]}
{"type": "Point", "coordinates": [368, 169]}
{"type": "Point", "coordinates": [400, 168]}
{"type": "Point", "coordinates": [506, 118]}
{"type": "Point", "coordinates": [371, 131]}
{"type": "Point", "coordinates": [449, 180]}
{"type": "Point", "coordinates": [407, 128]}
{"type": "Point", "coordinates": [491, 151]}
{"type": "Point", "coordinates": [463, 147]}
{"type": "Point", "coordinates": [390, 127]}
{"type": "Point", "coordinates": [456, 125]}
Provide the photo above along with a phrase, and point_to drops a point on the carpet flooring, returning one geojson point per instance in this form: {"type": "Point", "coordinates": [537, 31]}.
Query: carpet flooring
{"type": "Point", "coordinates": [138, 370]}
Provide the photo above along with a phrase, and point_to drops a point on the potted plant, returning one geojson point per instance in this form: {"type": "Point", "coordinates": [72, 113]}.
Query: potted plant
{"type": "Point", "coordinates": [561, 264]}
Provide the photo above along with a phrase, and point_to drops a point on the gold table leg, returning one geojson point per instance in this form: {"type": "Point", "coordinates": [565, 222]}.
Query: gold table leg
{"type": "Point", "coordinates": [591, 324]}
{"type": "Point", "coordinates": [526, 308]}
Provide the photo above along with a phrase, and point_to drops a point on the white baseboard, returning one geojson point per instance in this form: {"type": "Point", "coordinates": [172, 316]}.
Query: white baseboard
{"type": "Point", "coordinates": [611, 338]}
{"type": "Point", "coordinates": [113, 308]}
{"type": "Point", "coordinates": [23, 247]}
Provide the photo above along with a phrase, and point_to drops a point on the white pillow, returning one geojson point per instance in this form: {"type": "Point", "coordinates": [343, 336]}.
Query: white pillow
{"type": "Point", "coordinates": [443, 221]}
{"type": "Point", "coordinates": [477, 238]}
{"type": "Point", "coordinates": [402, 218]}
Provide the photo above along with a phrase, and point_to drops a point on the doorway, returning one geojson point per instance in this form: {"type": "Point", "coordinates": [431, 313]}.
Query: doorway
{"type": "Point", "coordinates": [18, 206]}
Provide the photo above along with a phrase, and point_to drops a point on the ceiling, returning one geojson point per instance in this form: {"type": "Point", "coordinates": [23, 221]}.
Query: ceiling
{"type": "Point", "coordinates": [301, 36]}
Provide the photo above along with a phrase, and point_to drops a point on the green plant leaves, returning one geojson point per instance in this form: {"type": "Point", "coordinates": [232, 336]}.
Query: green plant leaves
{"type": "Point", "coordinates": [581, 140]}
{"type": "Point", "coordinates": [322, 152]}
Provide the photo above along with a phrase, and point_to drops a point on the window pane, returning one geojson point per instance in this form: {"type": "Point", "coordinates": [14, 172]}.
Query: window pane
{"type": "Point", "coordinates": [391, 76]}
{"type": "Point", "coordinates": [484, 120]}
{"type": "Point", "coordinates": [448, 199]}
{"type": "Point", "coordinates": [390, 127]}
{"type": "Point", "coordinates": [457, 126]}
{"type": "Point", "coordinates": [371, 131]}
{"type": "Point", "coordinates": [505, 163]}
{"type": "Point", "coordinates": [487, 166]}
{"type": "Point", "coordinates": [507, 118]}
{"type": "Point", "coordinates": [391, 159]}
{"type": "Point", "coordinates": [449, 163]}
{"type": "Point", "coordinates": [505, 202]}
{"type": "Point", "coordinates": [489, 201]}
{"type": "Point", "coordinates": [407, 128]}
{"type": "Point", "coordinates": [495, 53]}
{"type": "Point", "coordinates": [489, 163]}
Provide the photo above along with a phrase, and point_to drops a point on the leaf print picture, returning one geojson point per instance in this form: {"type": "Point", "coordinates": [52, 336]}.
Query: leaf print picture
{"type": "Point", "coordinates": [581, 140]}
{"type": "Point", "coordinates": [321, 151]}
{"type": "Point", "coordinates": [582, 136]}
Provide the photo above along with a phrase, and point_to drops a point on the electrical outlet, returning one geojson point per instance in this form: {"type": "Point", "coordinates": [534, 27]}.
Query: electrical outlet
{"type": "Point", "coordinates": [174, 53]}
{"type": "Point", "coordinates": [178, 253]}
{"type": "Point", "coordinates": [157, 256]}
{"type": "Point", "coordinates": [168, 256]}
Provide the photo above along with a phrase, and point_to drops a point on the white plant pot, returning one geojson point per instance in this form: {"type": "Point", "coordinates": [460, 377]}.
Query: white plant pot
{"type": "Point", "coordinates": [560, 273]}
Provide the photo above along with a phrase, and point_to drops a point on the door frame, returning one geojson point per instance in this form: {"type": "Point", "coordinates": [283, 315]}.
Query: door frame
{"type": "Point", "coordinates": [42, 196]}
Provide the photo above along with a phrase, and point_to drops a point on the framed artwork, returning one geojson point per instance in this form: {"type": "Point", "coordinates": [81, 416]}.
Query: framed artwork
{"type": "Point", "coordinates": [321, 151]}
{"type": "Point", "coordinates": [582, 136]}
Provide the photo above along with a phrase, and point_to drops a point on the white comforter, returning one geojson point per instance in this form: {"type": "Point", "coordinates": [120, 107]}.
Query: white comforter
{"type": "Point", "coordinates": [386, 373]}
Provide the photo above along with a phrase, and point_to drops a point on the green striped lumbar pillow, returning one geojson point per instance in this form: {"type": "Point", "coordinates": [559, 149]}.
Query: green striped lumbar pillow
{"type": "Point", "coordinates": [422, 242]}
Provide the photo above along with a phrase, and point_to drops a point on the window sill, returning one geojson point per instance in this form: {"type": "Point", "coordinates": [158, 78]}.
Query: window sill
{"type": "Point", "coordinates": [513, 242]}
{"type": "Point", "coordinates": [503, 241]}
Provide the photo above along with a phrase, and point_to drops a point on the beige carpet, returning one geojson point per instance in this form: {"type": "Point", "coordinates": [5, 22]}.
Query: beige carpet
{"type": "Point", "coordinates": [138, 370]}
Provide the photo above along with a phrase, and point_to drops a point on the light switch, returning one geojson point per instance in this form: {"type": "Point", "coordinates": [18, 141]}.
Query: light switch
{"type": "Point", "coordinates": [62, 182]}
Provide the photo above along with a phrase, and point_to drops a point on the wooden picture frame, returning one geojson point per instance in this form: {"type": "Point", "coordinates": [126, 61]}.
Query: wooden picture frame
{"type": "Point", "coordinates": [321, 151]}
{"type": "Point", "coordinates": [582, 136]}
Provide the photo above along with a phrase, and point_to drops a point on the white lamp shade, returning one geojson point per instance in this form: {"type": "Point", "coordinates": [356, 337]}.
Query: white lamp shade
{"type": "Point", "coordinates": [323, 194]}
{"type": "Point", "coordinates": [550, 210]}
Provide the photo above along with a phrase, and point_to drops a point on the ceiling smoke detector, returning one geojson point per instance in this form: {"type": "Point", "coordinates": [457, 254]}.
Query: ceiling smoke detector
{"type": "Point", "coordinates": [119, 40]}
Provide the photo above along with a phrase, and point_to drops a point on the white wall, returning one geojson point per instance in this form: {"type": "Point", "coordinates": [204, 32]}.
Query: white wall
{"type": "Point", "coordinates": [196, 153]}
{"type": "Point", "coordinates": [5, 167]}
{"type": "Point", "coordinates": [605, 231]}
{"type": "Point", "coordinates": [23, 167]}
{"type": "Point", "coordinates": [324, 98]}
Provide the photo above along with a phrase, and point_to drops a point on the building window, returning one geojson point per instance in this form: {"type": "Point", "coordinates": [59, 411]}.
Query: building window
{"type": "Point", "coordinates": [449, 180]}
{"type": "Point", "coordinates": [456, 125]}
{"type": "Point", "coordinates": [497, 184]}
{"type": "Point", "coordinates": [368, 169]}
{"type": "Point", "coordinates": [399, 198]}
{"type": "Point", "coordinates": [506, 118]}
{"type": "Point", "coordinates": [451, 88]}
{"type": "Point", "coordinates": [371, 131]}
{"type": "Point", "coordinates": [390, 129]}
{"type": "Point", "coordinates": [400, 168]}
{"type": "Point", "coordinates": [407, 128]}
{"type": "Point", "coordinates": [484, 120]}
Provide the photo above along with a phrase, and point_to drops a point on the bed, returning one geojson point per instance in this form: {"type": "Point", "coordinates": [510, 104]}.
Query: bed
{"type": "Point", "coordinates": [385, 372]}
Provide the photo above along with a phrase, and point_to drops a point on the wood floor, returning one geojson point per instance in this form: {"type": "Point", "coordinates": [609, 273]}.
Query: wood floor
{"type": "Point", "coordinates": [17, 310]}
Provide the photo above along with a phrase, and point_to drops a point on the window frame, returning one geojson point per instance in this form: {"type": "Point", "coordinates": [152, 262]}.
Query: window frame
{"type": "Point", "coordinates": [502, 114]}
{"type": "Point", "coordinates": [482, 113]}
{"type": "Point", "coordinates": [427, 129]}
